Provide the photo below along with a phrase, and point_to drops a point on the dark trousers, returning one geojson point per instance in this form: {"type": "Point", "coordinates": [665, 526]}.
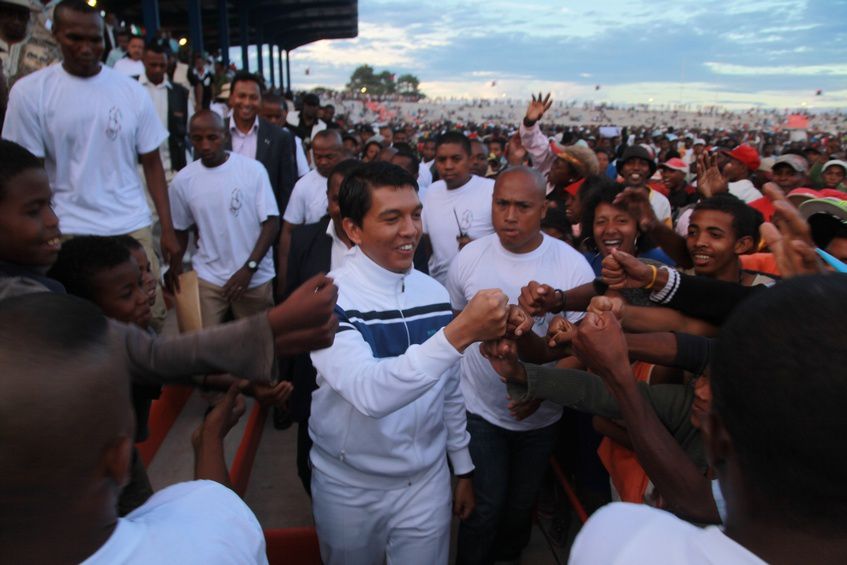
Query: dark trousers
{"type": "Point", "coordinates": [304, 445]}
{"type": "Point", "coordinates": [510, 466]}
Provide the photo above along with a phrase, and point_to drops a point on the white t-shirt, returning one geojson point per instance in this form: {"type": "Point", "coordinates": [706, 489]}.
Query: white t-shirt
{"type": "Point", "coordinates": [302, 163]}
{"type": "Point", "coordinates": [339, 252]}
{"type": "Point", "coordinates": [661, 206]}
{"type": "Point", "coordinates": [128, 67]}
{"type": "Point", "coordinates": [194, 522]}
{"type": "Point", "coordinates": [745, 190]}
{"type": "Point", "coordinates": [486, 264]}
{"type": "Point", "coordinates": [445, 211]}
{"type": "Point", "coordinates": [623, 533]}
{"type": "Point", "coordinates": [424, 179]}
{"type": "Point", "coordinates": [228, 204]}
{"type": "Point", "coordinates": [308, 201]}
{"type": "Point", "coordinates": [90, 132]}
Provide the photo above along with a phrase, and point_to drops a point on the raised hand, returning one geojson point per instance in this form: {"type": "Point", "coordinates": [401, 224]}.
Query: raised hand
{"type": "Point", "coordinates": [710, 180]}
{"type": "Point", "coordinates": [310, 305]}
{"type": "Point", "coordinates": [637, 203]}
{"type": "Point", "coordinates": [537, 106]}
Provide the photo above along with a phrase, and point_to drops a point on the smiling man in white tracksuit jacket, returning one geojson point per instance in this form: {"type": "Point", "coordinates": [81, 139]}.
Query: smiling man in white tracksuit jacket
{"type": "Point", "coordinates": [388, 407]}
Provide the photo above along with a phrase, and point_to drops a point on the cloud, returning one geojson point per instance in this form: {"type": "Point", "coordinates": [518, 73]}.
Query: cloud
{"type": "Point", "coordinates": [808, 70]}
{"type": "Point", "coordinates": [750, 50]}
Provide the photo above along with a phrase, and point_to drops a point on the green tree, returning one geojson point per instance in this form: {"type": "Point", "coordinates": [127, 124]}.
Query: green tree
{"type": "Point", "coordinates": [364, 77]}
{"type": "Point", "coordinates": [408, 84]}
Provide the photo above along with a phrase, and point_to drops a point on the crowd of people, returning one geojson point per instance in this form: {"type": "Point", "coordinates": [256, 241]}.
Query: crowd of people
{"type": "Point", "coordinates": [659, 308]}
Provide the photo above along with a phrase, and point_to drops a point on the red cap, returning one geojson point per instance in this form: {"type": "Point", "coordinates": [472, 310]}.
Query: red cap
{"type": "Point", "coordinates": [675, 164]}
{"type": "Point", "coordinates": [748, 156]}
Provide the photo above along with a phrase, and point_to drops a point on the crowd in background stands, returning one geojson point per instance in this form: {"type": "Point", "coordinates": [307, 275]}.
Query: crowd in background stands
{"type": "Point", "coordinates": [600, 284]}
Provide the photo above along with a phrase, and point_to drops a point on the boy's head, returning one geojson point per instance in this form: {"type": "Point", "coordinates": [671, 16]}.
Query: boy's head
{"type": "Point", "coordinates": [274, 109]}
{"type": "Point", "coordinates": [333, 187]}
{"type": "Point", "coordinates": [722, 227]}
{"type": "Point", "coordinates": [453, 158]}
{"type": "Point", "coordinates": [67, 420]}
{"type": "Point", "coordinates": [138, 253]}
{"type": "Point", "coordinates": [29, 230]}
{"type": "Point", "coordinates": [381, 214]}
{"type": "Point", "coordinates": [777, 413]}
{"type": "Point", "coordinates": [833, 173]}
{"type": "Point", "coordinates": [789, 171]}
{"type": "Point", "coordinates": [102, 270]}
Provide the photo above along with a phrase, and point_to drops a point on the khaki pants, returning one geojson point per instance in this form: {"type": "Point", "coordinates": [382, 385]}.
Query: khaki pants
{"type": "Point", "coordinates": [214, 308]}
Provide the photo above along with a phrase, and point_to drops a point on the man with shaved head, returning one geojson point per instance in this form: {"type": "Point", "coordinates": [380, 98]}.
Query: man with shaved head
{"type": "Point", "coordinates": [510, 442]}
{"type": "Point", "coordinates": [67, 443]}
{"type": "Point", "coordinates": [228, 198]}
{"type": "Point", "coordinates": [308, 201]}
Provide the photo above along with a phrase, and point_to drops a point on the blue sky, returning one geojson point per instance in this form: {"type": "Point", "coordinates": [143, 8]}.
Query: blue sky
{"type": "Point", "coordinates": [737, 54]}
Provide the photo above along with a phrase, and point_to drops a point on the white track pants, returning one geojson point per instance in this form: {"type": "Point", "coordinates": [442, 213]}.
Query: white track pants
{"type": "Point", "coordinates": [406, 526]}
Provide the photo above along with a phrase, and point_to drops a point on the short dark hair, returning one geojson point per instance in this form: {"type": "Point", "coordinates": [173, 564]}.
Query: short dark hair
{"type": "Point", "coordinates": [311, 99]}
{"type": "Point", "coordinates": [354, 198]}
{"type": "Point", "coordinates": [596, 190]}
{"type": "Point", "coordinates": [123, 32]}
{"type": "Point", "coordinates": [14, 159]}
{"type": "Point", "coordinates": [745, 220]}
{"type": "Point", "coordinates": [344, 168]}
{"type": "Point", "coordinates": [81, 258]}
{"type": "Point", "coordinates": [246, 76]}
{"type": "Point", "coordinates": [129, 242]}
{"type": "Point", "coordinates": [78, 6]}
{"type": "Point", "coordinates": [456, 137]}
{"type": "Point", "coordinates": [499, 141]}
{"type": "Point", "coordinates": [349, 137]}
{"type": "Point", "coordinates": [778, 385]}
{"type": "Point", "coordinates": [53, 322]}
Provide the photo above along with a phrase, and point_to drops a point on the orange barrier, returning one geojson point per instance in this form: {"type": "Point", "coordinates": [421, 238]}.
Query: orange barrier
{"type": "Point", "coordinates": [163, 413]}
{"type": "Point", "coordinates": [242, 465]}
{"type": "Point", "coordinates": [569, 492]}
{"type": "Point", "coordinates": [293, 546]}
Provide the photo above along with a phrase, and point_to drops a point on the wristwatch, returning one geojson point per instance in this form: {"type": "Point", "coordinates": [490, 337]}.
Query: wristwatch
{"type": "Point", "coordinates": [252, 266]}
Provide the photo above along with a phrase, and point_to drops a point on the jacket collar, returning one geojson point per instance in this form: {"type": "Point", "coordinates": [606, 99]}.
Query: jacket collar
{"type": "Point", "coordinates": [376, 275]}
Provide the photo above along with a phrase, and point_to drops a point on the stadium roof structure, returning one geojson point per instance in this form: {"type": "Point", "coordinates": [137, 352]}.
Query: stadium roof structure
{"type": "Point", "coordinates": [220, 24]}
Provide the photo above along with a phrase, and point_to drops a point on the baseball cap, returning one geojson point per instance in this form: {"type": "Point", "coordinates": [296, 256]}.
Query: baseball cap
{"type": "Point", "coordinates": [836, 163]}
{"type": "Point", "coordinates": [825, 216]}
{"type": "Point", "coordinates": [746, 154]}
{"type": "Point", "coordinates": [675, 164]}
{"type": "Point", "coordinates": [699, 141]}
{"type": "Point", "coordinates": [796, 162]}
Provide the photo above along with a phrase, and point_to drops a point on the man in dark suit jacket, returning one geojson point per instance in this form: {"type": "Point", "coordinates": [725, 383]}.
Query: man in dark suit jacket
{"type": "Point", "coordinates": [311, 253]}
{"type": "Point", "coordinates": [258, 139]}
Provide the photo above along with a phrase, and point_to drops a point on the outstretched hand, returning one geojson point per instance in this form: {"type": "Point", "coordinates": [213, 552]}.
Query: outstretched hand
{"type": "Point", "coordinates": [306, 320]}
{"type": "Point", "coordinates": [538, 298]}
{"type": "Point", "coordinates": [560, 332]}
{"type": "Point", "coordinates": [600, 344]}
{"type": "Point", "coordinates": [537, 106]}
{"type": "Point", "coordinates": [503, 356]}
{"type": "Point", "coordinates": [710, 180]}
{"type": "Point", "coordinates": [622, 270]}
{"type": "Point", "coordinates": [637, 202]}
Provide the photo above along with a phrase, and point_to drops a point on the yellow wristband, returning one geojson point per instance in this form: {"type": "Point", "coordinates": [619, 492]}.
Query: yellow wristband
{"type": "Point", "coordinates": [653, 280]}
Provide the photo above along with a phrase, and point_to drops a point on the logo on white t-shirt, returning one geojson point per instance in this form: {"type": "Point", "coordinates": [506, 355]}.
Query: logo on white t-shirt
{"type": "Point", "coordinates": [466, 221]}
{"type": "Point", "coordinates": [113, 128]}
{"type": "Point", "coordinates": [235, 201]}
